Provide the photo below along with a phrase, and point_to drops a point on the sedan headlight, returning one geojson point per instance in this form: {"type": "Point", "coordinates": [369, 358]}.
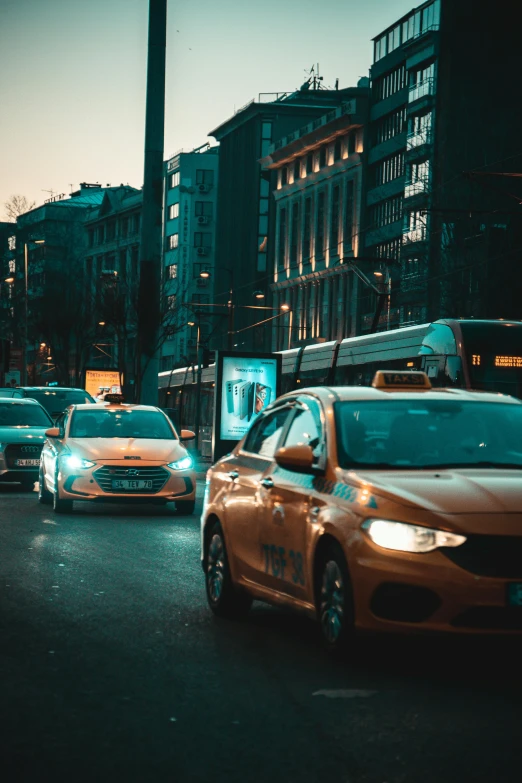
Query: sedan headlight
{"type": "Point", "coordinates": [72, 461]}
{"type": "Point", "coordinates": [181, 464]}
{"type": "Point", "coordinates": [403, 537]}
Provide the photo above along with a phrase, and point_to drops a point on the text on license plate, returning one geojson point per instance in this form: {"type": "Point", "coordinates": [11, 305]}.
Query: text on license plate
{"type": "Point", "coordinates": [131, 484]}
{"type": "Point", "coordinates": [27, 463]}
{"type": "Point", "coordinates": [515, 594]}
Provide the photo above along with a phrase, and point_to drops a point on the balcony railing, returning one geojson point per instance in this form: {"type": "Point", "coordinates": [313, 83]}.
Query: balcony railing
{"type": "Point", "coordinates": [419, 90]}
{"type": "Point", "coordinates": [416, 188]}
{"type": "Point", "coordinates": [418, 138]}
{"type": "Point", "coordinates": [414, 235]}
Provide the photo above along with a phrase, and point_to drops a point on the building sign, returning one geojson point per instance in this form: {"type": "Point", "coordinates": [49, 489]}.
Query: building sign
{"type": "Point", "coordinates": [98, 382]}
{"type": "Point", "coordinates": [245, 385]}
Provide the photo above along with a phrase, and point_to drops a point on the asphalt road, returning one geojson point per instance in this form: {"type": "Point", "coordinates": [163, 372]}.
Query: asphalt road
{"type": "Point", "coordinates": [113, 669]}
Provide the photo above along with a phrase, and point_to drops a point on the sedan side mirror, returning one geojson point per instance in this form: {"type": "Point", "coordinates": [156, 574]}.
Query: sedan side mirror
{"type": "Point", "coordinates": [53, 432]}
{"type": "Point", "coordinates": [187, 435]}
{"type": "Point", "coordinates": [298, 458]}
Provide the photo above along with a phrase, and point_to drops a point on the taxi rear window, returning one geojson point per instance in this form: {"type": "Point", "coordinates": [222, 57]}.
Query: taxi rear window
{"type": "Point", "coordinates": [425, 433]}
{"type": "Point", "coordinates": [91, 423]}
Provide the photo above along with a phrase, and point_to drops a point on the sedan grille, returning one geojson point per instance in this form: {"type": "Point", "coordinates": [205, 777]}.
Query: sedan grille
{"type": "Point", "coordinates": [107, 474]}
{"type": "Point", "coordinates": [494, 556]}
{"type": "Point", "coordinates": [22, 451]}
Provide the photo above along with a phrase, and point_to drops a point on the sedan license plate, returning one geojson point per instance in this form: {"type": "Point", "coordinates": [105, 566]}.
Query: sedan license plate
{"type": "Point", "coordinates": [514, 594]}
{"type": "Point", "coordinates": [131, 484]}
{"type": "Point", "coordinates": [27, 463]}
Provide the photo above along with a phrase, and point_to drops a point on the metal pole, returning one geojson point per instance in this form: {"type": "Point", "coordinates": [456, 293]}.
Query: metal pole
{"type": "Point", "coordinates": [149, 305]}
{"type": "Point", "coordinates": [26, 314]}
{"type": "Point", "coordinates": [198, 388]}
{"type": "Point", "coordinates": [230, 310]}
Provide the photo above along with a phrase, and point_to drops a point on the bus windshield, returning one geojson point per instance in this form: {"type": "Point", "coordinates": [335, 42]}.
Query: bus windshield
{"type": "Point", "coordinates": [494, 355]}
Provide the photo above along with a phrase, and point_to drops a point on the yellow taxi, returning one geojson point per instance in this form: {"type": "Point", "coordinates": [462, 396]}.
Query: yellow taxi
{"type": "Point", "coordinates": [391, 508]}
{"type": "Point", "coordinates": [115, 452]}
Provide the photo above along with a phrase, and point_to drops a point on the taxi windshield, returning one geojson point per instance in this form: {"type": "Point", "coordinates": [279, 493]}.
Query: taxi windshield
{"type": "Point", "coordinates": [427, 433]}
{"type": "Point", "coordinates": [22, 415]}
{"type": "Point", "coordinates": [91, 423]}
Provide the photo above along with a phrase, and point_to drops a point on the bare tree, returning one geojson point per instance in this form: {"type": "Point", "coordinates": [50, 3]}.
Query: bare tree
{"type": "Point", "coordinates": [17, 205]}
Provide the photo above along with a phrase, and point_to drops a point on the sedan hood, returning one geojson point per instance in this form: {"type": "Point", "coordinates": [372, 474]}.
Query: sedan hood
{"type": "Point", "coordinates": [451, 492]}
{"type": "Point", "coordinates": [108, 449]}
{"type": "Point", "coordinates": [23, 434]}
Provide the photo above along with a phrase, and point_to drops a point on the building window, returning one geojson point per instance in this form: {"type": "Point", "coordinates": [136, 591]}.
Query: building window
{"type": "Point", "coordinates": [386, 212]}
{"type": "Point", "coordinates": [135, 262]}
{"type": "Point", "coordinates": [307, 227]}
{"type": "Point", "coordinates": [334, 220]}
{"type": "Point", "coordinates": [174, 211]}
{"type": "Point", "coordinates": [337, 150]}
{"type": "Point", "coordinates": [202, 239]}
{"type": "Point", "coordinates": [174, 179]}
{"type": "Point", "coordinates": [90, 237]}
{"type": "Point", "coordinates": [319, 233]}
{"type": "Point", "coordinates": [204, 177]}
{"type": "Point", "coordinates": [172, 271]}
{"type": "Point", "coordinates": [124, 227]}
{"type": "Point", "coordinates": [322, 157]}
{"type": "Point", "coordinates": [389, 126]}
{"type": "Point", "coordinates": [266, 130]}
{"type": "Point", "coordinates": [111, 230]}
{"type": "Point", "coordinates": [297, 169]}
{"type": "Point", "coordinates": [171, 301]}
{"type": "Point", "coordinates": [418, 178]}
{"type": "Point", "coordinates": [284, 176]}
{"type": "Point", "coordinates": [387, 170]}
{"type": "Point", "coordinates": [173, 241]}
{"type": "Point", "coordinates": [294, 238]}
{"type": "Point", "coordinates": [348, 216]}
{"type": "Point", "coordinates": [101, 235]}
{"type": "Point", "coordinates": [136, 223]}
{"type": "Point", "coordinates": [12, 267]}
{"type": "Point", "coordinates": [389, 249]}
{"type": "Point", "coordinates": [282, 238]}
{"type": "Point", "coordinates": [204, 209]}
{"type": "Point", "coordinates": [389, 84]}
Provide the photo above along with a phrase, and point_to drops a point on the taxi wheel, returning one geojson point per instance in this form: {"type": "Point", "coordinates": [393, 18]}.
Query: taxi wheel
{"type": "Point", "coordinates": [44, 496]}
{"type": "Point", "coordinates": [60, 505]}
{"type": "Point", "coordinates": [335, 601]}
{"type": "Point", "coordinates": [222, 596]}
{"type": "Point", "coordinates": [185, 507]}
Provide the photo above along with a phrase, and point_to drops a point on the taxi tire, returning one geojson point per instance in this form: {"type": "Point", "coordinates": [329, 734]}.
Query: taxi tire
{"type": "Point", "coordinates": [60, 506]}
{"type": "Point", "coordinates": [185, 507]}
{"type": "Point", "coordinates": [231, 603]}
{"type": "Point", "coordinates": [44, 496]}
{"type": "Point", "coordinates": [332, 559]}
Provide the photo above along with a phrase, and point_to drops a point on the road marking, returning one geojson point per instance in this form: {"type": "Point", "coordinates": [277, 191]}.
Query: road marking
{"type": "Point", "coordinates": [345, 694]}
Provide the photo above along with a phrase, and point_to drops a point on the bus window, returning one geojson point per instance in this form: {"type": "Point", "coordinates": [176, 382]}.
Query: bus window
{"type": "Point", "coordinates": [453, 372]}
{"type": "Point", "coordinates": [439, 340]}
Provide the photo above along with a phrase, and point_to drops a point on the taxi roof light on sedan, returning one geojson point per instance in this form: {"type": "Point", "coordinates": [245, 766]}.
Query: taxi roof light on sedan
{"type": "Point", "coordinates": [405, 380]}
{"type": "Point", "coordinates": [403, 537]}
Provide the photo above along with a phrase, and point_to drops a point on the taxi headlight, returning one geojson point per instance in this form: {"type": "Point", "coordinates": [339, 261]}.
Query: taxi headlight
{"type": "Point", "coordinates": [72, 461]}
{"type": "Point", "coordinates": [403, 537]}
{"type": "Point", "coordinates": [181, 464]}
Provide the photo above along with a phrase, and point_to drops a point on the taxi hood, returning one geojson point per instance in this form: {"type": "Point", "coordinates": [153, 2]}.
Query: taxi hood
{"type": "Point", "coordinates": [454, 492]}
{"type": "Point", "coordinates": [153, 450]}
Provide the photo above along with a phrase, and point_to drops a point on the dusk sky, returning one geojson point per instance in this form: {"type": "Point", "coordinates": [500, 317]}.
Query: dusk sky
{"type": "Point", "coordinates": [72, 86]}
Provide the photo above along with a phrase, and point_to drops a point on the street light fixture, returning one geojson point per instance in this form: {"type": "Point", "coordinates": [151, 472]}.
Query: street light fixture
{"type": "Point", "coordinates": [205, 274]}
{"type": "Point", "coordinates": [101, 323]}
{"type": "Point", "coordinates": [259, 295]}
{"type": "Point", "coordinates": [285, 307]}
{"type": "Point", "coordinates": [9, 279]}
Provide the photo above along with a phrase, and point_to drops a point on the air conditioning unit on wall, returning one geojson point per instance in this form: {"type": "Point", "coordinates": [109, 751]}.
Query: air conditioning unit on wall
{"type": "Point", "coordinates": [202, 251]}
{"type": "Point", "coordinates": [203, 220]}
{"type": "Point", "coordinates": [204, 188]}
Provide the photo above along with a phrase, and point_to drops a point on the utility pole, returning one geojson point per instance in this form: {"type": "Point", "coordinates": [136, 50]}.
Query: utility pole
{"type": "Point", "coordinates": [149, 305]}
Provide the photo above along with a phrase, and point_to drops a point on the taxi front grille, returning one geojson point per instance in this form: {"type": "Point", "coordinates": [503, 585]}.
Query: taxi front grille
{"type": "Point", "coordinates": [494, 556]}
{"type": "Point", "coordinates": [107, 474]}
{"type": "Point", "coordinates": [21, 451]}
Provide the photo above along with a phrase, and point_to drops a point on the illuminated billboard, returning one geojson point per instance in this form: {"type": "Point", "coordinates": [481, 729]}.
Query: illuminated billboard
{"type": "Point", "coordinates": [99, 382]}
{"type": "Point", "coordinates": [245, 385]}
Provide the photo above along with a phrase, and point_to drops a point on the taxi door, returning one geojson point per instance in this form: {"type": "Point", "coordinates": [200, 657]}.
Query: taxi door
{"type": "Point", "coordinates": [53, 447]}
{"type": "Point", "coordinates": [285, 498]}
{"type": "Point", "coordinates": [243, 509]}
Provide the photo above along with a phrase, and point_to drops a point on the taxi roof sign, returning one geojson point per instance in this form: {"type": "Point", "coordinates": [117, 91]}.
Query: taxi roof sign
{"type": "Point", "coordinates": [114, 398]}
{"type": "Point", "coordinates": [403, 380]}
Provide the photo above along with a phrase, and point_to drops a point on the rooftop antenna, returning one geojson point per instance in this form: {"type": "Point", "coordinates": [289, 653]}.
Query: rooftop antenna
{"type": "Point", "coordinates": [71, 184]}
{"type": "Point", "coordinates": [52, 192]}
{"type": "Point", "coordinates": [313, 80]}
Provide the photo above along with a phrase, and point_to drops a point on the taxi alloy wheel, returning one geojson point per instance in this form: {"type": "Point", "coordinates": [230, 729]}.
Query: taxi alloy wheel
{"type": "Point", "coordinates": [60, 505]}
{"type": "Point", "coordinates": [44, 496]}
{"type": "Point", "coordinates": [335, 600]}
{"type": "Point", "coordinates": [223, 598]}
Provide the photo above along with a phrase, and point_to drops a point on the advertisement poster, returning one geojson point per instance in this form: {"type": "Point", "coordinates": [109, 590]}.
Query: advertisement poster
{"type": "Point", "coordinates": [100, 382]}
{"type": "Point", "coordinates": [248, 384]}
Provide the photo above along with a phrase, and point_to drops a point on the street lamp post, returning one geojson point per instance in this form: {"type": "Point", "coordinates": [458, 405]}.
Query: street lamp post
{"type": "Point", "coordinates": [26, 306]}
{"type": "Point", "coordinates": [198, 381]}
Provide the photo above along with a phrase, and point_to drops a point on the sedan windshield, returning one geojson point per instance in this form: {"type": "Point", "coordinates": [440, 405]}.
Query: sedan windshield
{"type": "Point", "coordinates": [57, 401]}
{"type": "Point", "coordinates": [92, 423]}
{"type": "Point", "coordinates": [427, 433]}
{"type": "Point", "coordinates": [21, 414]}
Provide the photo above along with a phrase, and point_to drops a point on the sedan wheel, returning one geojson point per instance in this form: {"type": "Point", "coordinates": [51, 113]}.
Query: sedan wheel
{"type": "Point", "coordinates": [60, 505]}
{"type": "Point", "coordinates": [223, 598]}
{"type": "Point", "coordinates": [335, 601]}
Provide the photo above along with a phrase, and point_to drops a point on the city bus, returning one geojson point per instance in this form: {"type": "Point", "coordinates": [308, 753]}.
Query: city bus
{"type": "Point", "coordinates": [461, 353]}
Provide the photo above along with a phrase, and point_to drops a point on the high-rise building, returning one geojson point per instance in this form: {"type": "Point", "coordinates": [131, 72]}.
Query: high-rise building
{"type": "Point", "coordinates": [191, 187]}
{"type": "Point", "coordinates": [444, 123]}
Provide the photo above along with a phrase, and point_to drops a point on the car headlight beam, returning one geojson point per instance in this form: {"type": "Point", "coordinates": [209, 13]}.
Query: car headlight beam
{"type": "Point", "coordinates": [72, 461]}
{"type": "Point", "coordinates": [403, 537]}
{"type": "Point", "coordinates": [181, 464]}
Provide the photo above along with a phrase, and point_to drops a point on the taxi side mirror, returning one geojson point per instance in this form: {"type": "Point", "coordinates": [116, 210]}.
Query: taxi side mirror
{"type": "Point", "coordinates": [298, 458]}
{"type": "Point", "coordinates": [53, 432]}
{"type": "Point", "coordinates": [187, 435]}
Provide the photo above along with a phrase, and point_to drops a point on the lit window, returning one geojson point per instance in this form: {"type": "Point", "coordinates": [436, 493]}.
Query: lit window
{"type": "Point", "coordinates": [172, 271]}
{"type": "Point", "coordinates": [173, 211]}
{"type": "Point", "coordinates": [173, 241]}
{"type": "Point", "coordinates": [174, 179]}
